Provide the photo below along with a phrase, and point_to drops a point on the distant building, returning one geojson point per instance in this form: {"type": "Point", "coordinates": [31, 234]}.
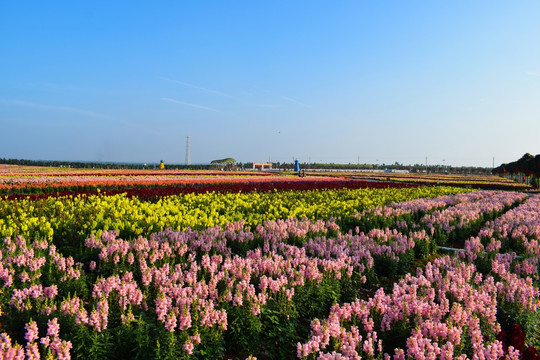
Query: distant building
{"type": "Point", "coordinates": [262, 166]}
{"type": "Point", "coordinates": [396, 171]}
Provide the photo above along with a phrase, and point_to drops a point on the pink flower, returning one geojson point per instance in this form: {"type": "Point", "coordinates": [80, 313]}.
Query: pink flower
{"type": "Point", "coordinates": [9, 351]}
{"type": "Point", "coordinates": [31, 331]}
{"type": "Point", "coordinates": [24, 277]}
{"type": "Point", "coordinates": [170, 324]}
{"type": "Point", "coordinates": [53, 327]}
{"type": "Point", "coordinates": [45, 341]}
{"type": "Point", "coordinates": [32, 351]}
{"type": "Point", "coordinates": [50, 291]}
{"type": "Point", "coordinates": [196, 338]}
{"type": "Point", "coordinates": [188, 346]}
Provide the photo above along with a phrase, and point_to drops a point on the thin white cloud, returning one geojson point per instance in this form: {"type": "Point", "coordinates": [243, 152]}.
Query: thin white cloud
{"type": "Point", "coordinates": [215, 92]}
{"type": "Point", "coordinates": [56, 108]}
{"type": "Point", "coordinates": [189, 104]}
{"type": "Point", "coordinates": [294, 101]}
{"type": "Point", "coordinates": [268, 106]}
{"type": "Point", "coordinates": [289, 99]}
{"type": "Point", "coordinates": [533, 73]}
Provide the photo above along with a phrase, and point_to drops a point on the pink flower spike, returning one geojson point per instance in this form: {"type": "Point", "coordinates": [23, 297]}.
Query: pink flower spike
{"type": "Point", "coordinates": [31, 331]}
{"type": "Point", "coordinates": [53, 328]}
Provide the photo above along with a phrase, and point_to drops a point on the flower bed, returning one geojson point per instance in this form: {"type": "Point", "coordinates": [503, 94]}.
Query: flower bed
{"type": "Point", "coordinates": [272, 274]}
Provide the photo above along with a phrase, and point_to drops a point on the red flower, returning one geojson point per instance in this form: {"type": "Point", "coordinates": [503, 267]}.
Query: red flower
{"type": "Point", "coordinates": [530, 353]}
{"type": "Point", "coordinates": [502, 337]}
{"type": "Point", "coordinates": [517, 338]}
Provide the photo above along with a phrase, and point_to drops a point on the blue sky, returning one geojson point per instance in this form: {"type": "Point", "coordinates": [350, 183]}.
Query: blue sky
{"type": "Point", "coordinates": [331, 81]}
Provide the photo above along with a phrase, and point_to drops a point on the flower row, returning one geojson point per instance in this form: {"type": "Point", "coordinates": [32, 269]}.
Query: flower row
{"type": "Point", "coordinates": [69, 220]}
{"type": "Point", "coordinates": [446, 311]}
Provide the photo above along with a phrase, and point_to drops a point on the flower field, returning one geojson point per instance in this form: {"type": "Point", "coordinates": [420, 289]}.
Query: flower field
{"type": "Point", "coordinates": [321, 269]}
{"type": "Point", "coordinates": [29, 183]}
{"type": "Point", "coordinates": [485, 182]}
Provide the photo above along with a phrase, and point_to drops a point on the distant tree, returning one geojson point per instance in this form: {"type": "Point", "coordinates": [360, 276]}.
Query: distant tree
{"type": "Point", "coordinates": [227, 163]}
{"type": "Point", "coordinates": [526, 168]}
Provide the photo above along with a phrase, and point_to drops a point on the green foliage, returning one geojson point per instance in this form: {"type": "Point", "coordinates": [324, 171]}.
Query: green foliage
{"type": "Point", "coordinates": [423, 249]}
{"type": "Point", "coordinates": [212, 344]}
{"type": "Point", "coordinates": [385, 266]}
{"type": "Point", "coordinates": [314, 299]}
{"type": "Point", "coordinates": [355, 287]}
{"type": "Point", "coordinates": [397, 336]}
{"type": "Point", "coordinates": [168, 346]}
{"type": "Point", "coordinates": [91, 345]}
{"type": "Point", "coordinates": [244, 329]}
{"type": "Point", "coordinates": [142, 335]}
{"type": "Point", "coordinates": [279, 325]}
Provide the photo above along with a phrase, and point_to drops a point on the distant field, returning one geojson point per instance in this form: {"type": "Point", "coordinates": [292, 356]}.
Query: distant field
{"type": "Point", "coordinates": [22, 180]}
{"type": "Point", "coordinates": [462, 180]}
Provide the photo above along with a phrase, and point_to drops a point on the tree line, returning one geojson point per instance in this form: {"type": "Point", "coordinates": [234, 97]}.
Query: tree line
{"type": "Point", "coordinates": [249, 165]}
{"type": "Point", "coordinates": [525, 170]}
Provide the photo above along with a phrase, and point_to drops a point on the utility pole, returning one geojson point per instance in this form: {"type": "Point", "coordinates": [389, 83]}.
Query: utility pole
{"type": "Point", "coordinates": [188, 154]}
